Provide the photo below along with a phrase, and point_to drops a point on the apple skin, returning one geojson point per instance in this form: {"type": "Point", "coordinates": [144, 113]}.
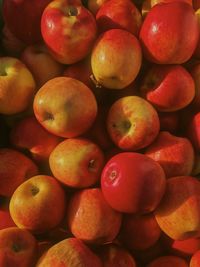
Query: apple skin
{"type": "Point", "coordinates": [94, 5]}
{"type": "Point", "coordinates": [10, 44]}
{"type": "Point", "coordinates": [182, 248]}
{"type": "Point", "coordinates": [139, 232]}
{"type": "Point", "coordinates": [164, 37]}
{"type": "Point", "coordinates": [195, 259]}
{"type": "Point", "coordinates": [5, 218]}
{"type": "Point", "coordinates": [28, 134]}
{"type": "Point", "coordinates": [41, 64]}
{"type": "Point", "coordinates": [77, 162]}
{"type": "Point", "coordinates": [15, 168]}
{"type": "Point", "coordinates": [72, 26]}
{"type": "Point", "coordinates": [116, 59]}
{"type": "Point", "coordinates": [32, 205]}
{"type": "Point", "coordinates": [132, 123]}
{"type": "Point", "coordinates": [126, 179]}
{"type": "Point", "coordinates": [178, 212]}
{"type": "Point", "coordinates": [69, 252]}
{"type": "Point", "coordinates": [196, 4]}
{"type": "Point", "coordinates": [169, 121]}
{"type": "Point", "coordinates": [119, 14]}
{"type": "Point", "coordinates": [23, 18]}
{"type": "Point", "coordinates": [193, 130]}
{"type": "Point", "coordinates": [195, 72]}
{"type": "Point", "coordinates": [18, 247]}
{"type": "Point", "coordinates": [168, 88]}
{"type": "Point", "coordinates": [89, 205]}
{"type": "Point", "coordinates": [175, 154]}
{"type": "Point", "coordinates": [16, 82]}
{"type": "Point", "coordinates": [65, 107]}
{"type": "Point", "coordinates": [167, 261]}
{"type": "Point", "coordinates": [113, 255]}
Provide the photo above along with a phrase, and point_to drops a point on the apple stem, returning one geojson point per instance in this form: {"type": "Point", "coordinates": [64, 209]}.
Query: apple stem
{"type": "Point", "coordinates": [72, 11]}
{"type": "Point", "coordinates": [97, 84]}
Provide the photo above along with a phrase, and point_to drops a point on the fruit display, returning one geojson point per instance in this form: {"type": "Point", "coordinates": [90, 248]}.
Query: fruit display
{"type": "Point", "coordinates": [100, 133]}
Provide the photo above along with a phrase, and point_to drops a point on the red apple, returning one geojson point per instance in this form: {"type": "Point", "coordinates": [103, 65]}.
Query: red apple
{"type": "Point", "coordinates": [132, 123]}
{"type": "Point", "coordinates": [15, 168]}
{"type": "Point", "coordinates": [139, 232]}
{"type": "Point", "coordinates": [178, 213]}
{"type": "Point", "coordinates": [193, 130]}
{"type": "Point", "coordinates": [38, 204]}
{"type": "Point", "coordinates": [195, 260]}
{"type": "Point", "coordinates": [91, 219]}
{"type": "Point", "coordinates": [116, 59]}
{"type": "Point", "coordinates": [18, 248]}
{"type": "Point", "coordinates": [168, 88]}
{"type": "Point", "coordinates": [168, 261]}
{"type": "Point", "coordinates": [77, 162]}
{"type": "Point", "coordinates": [5, 218]}
{"type": "Point", "coordinates": [65, 107]}
{"type": "Point", "coordinates": [41, 64]}
{"type": "Point", "coordinates": [175, 154]}
{"type": "Point", "coordinates": [23, 18]}
{"type": "Point", "coordinates": [119, 14]}
{"type": "Point", "coordinates": [69, 252]}
{"type": "Point", "coordinates": [72, 26]}
{"type": "Point", "coordinates": [126, 179]}
{"type": "Point", "coordinates": [165, 37]}
{"type": "Point", "coordinates": [28, 134]}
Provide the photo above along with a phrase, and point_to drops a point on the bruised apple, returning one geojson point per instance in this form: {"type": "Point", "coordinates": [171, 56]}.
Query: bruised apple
{"type": "Point", "coordinates": [116, 59]}
{"type": "Point", "coordinates": [65, 107]}
{"type": "Point", "coordinates": [72, 26]}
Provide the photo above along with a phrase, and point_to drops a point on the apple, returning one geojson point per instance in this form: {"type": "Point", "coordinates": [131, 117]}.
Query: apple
{"type": "Point", "coordinates": [38, 204]}
{"type": "Point", "coordinates": [72, 26]}
{"type": "Point", "coordinates": [195, 71]}
{"type": "Point", "coordinates": [18, 247]}
{"type": "Point", "coordinates": [94, 5]}
{"type": "Point", "coordinates": [195, 259]}
{"type": "Point", "coordinates": [5, 218]}
{"type": "Point", "coordinates": [115, 256]}
{"type": "Point", "coordinates": [41, 64]}
{"type": "Point", "coordinates": [17, 83]}
{"type": "Point", "coordinates": [168, 261]}
{"type": "Point", "coordinates": [116, 59]}
{"type": "Point", "coordinates": [69, 252]}
{"type": "Point", "coordinates": [29, 135]}
{"type": "Point", "coordinates": [165, 37]}
{"type": "Point", "coordinates": [77, 162]}
{"type": "Point", "coordinates": [193, 130]}
{"type": "Point", "coordinates": [175, 154]}
{"type": "Point", "coordinates": [139, 232]}
{"type": "Point", "coordinates": [65, 107]}
{"type": "Point", "coordinates": [132, 123]}
{"type": "Point", "coordinates": [126, 179]}
{"type": "Point", "coordinates": [15, 168]}
{"type": "Point", "coordinates": [91, 219]}
{"type": "Point", "coordinates": [23, 18]}
{"type": "Point", "coordinates": [119, 14]}
{"type": "Point", "coordinates": [178, 212]}
{"type": "Point", "coordinates": [10, 44]}
{"type": "Point", "coordinates": [168, 88]}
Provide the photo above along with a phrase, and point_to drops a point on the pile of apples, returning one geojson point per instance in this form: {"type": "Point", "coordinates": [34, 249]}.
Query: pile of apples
{"type": "Point", "coordinates": [100, 133]}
